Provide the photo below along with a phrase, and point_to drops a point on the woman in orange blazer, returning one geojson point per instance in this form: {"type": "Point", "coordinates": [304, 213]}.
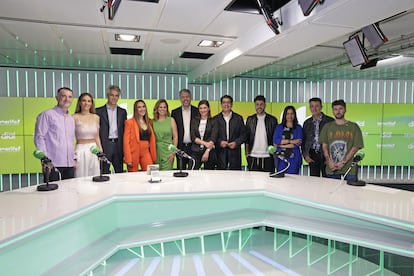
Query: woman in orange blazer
{"type": "Point", "coordinates": [139, 139]}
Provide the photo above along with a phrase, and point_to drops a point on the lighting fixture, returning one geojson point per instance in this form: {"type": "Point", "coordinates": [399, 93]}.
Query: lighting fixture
{"type": "Point", "coordinates": [267, 11]}
{"type": "Point", "coordinates": [392, 60]}
{"type": "Point", "coordinates": [113, 6]}
{"type": "Point", "coordinates": [210, 43]}
{"type": "Point", "coordinates": [374, 35]}
{"type": "Point", "coordinates": [355, 51]}
{"type": "Point", "coordinates": [127, 37]}
{"type": "Point", "coordinates": [308, 5]}
{"type": "Point", "coordinates": [388, 60]}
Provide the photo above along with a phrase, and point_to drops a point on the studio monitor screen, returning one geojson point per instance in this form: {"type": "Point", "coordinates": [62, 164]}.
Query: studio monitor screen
{"type": "Point", "coordinates": [113, 6]}
{"type": "Point", "coordinates": [374, 35]}
{"type": "Point", "coordinates": [355, 51]}
{"type": "Point", "coordinates": [267, 12]}
{"type": "Point", "coordinates": [308, 5]}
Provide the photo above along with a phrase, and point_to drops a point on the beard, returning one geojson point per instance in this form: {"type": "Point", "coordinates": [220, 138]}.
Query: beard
{"type": "Point", "coordinates": [339, 116]}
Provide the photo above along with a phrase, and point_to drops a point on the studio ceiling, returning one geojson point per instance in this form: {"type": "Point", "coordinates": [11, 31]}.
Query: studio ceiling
{"type": "Point", "coordinates": [75, 34]}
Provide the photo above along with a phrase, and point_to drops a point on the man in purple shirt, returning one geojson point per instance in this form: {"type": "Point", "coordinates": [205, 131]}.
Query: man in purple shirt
{"type": "Point", "coordinates": [55, 135]}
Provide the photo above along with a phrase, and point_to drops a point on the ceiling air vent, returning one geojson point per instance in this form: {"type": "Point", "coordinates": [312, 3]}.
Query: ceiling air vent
{"type": "Point", "coordinates": [126, 51]}
{"type": "Point", "coordinates": [195, 55]}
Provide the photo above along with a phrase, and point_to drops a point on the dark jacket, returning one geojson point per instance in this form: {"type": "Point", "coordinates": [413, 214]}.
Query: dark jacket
{"type": "Point", "coordinates": [102, 112]}
{"type": "Point", "coordinates": [251, 123]}
{"type": "Point", "coordinates": [210, 134]}
{"type": "Point", "coordinates": [309, 132]}
{"type": "Point", "coordinates": [237, 133]}
{"type": "Point", "coordinates": [237, 130]}
{"type": "Point", "coordinates": [177, 114]}
{"type": "Point", "coordinates": [114, 151]}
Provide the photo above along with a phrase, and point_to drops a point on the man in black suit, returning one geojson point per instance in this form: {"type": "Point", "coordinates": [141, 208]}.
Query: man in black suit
{"type": "Point", "coordinates": [231, 135]}
{"type": "Point", "coordinates": [111, 130]}
{"type": "Point", "coordinates": [183, 116]}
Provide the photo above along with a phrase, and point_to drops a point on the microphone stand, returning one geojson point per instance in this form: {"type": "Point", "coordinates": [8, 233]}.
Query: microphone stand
{"type": "Point", "coordinates": [100, 177]}
{"type": "Point", "coordinates": [350, 182]}
{"type": "Point", "coordinates": [356, 182]}
{"type": "Point", "coordinates": [46, 167]}
{"type": "Point", "coordinates": [280, 174]}
{"type": "Point", "coordinates": [180, 167]}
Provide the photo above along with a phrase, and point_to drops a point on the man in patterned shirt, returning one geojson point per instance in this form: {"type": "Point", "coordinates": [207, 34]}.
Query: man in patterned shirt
{"type": "Point", "coordinates": [311, 149]}
{"type": "Point", "coordinates": [340, 140]}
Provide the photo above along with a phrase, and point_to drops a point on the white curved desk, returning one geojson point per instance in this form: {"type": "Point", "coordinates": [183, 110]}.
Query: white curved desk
{"type": "Point", "coordinates": [24, 209]}
{"type": "Point", "coordinates": [322, 207]}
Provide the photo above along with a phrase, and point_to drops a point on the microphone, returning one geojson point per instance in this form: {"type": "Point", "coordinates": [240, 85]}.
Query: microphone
{"type": "Point", "coordinates": [358, 156]}
{"type": "Point", "coordinates": [47, 166]}
{"type": "Point", "coordinates": [39, 154]}
{"type": "Point", "coordinates": [280, 157]}
{"type": "Point", "coordinates": [179, 152]}
{"type": "Point", "coordinates": [95, 150]}
{"type": "Point", "coordinates": [182, 154]}
{"type": "Point", "coordinates": [46, 162]}
{"type": "Point", "coordinates": [271, 150]}
{"type": "Point", "coordinates": [101, 156]}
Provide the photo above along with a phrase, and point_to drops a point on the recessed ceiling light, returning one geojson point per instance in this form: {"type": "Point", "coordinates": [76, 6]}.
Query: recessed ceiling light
{"type": "Point", "coordinates": [210, 43]}
{"type": "Point", "coordinates": [127, 37]}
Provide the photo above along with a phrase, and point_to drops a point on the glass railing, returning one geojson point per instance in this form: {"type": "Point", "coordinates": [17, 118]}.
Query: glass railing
{"type": "Point", "coordinates": [258, 251]}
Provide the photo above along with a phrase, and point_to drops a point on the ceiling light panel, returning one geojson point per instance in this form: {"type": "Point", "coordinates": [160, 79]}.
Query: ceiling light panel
{"type": "Point", "coordinates": [127, 37]}
{"type": "Point", "coordinates": [210, 43]}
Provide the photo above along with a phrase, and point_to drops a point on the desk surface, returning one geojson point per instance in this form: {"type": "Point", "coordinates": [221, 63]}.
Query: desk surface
{"type": "Point", "coordinates": [25, 209]}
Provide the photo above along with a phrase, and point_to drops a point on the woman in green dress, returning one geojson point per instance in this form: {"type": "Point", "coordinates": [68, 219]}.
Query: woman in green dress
{"type": "Point", "coordinates": [166, 133]}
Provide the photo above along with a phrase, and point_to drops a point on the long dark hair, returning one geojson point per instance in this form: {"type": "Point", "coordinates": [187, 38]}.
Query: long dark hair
{"type": "Point", "coordinates": [295, 120]}
{"type": "Point", "coordinates": [146, 119]}
{"type": "Point", "coordinates": [208, 105]}
{"type": "Point", "coordinates": [78, 105]}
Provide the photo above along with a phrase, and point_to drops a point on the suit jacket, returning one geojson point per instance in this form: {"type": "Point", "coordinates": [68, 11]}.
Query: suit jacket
{"type": "Point", "coordinates": [177, 114]}
{"type": "Point", "coordinates": [104, 126]}
{"type": "Point", "coordinates": [210, 133]}
{"type": "Point", "coordinates": [309, 132]}
{"type": "Point", "coordinates": [132, 142]}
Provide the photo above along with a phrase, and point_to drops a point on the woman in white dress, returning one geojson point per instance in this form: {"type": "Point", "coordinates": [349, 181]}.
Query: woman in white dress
{"type": "Point", "coordinates": [87, 136]}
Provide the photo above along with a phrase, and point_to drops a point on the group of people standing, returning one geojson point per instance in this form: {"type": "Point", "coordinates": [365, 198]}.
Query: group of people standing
{"type": "Point", "coordinates": [327, 144]}
{"type": "Point", "coordinates": [101, 128]}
